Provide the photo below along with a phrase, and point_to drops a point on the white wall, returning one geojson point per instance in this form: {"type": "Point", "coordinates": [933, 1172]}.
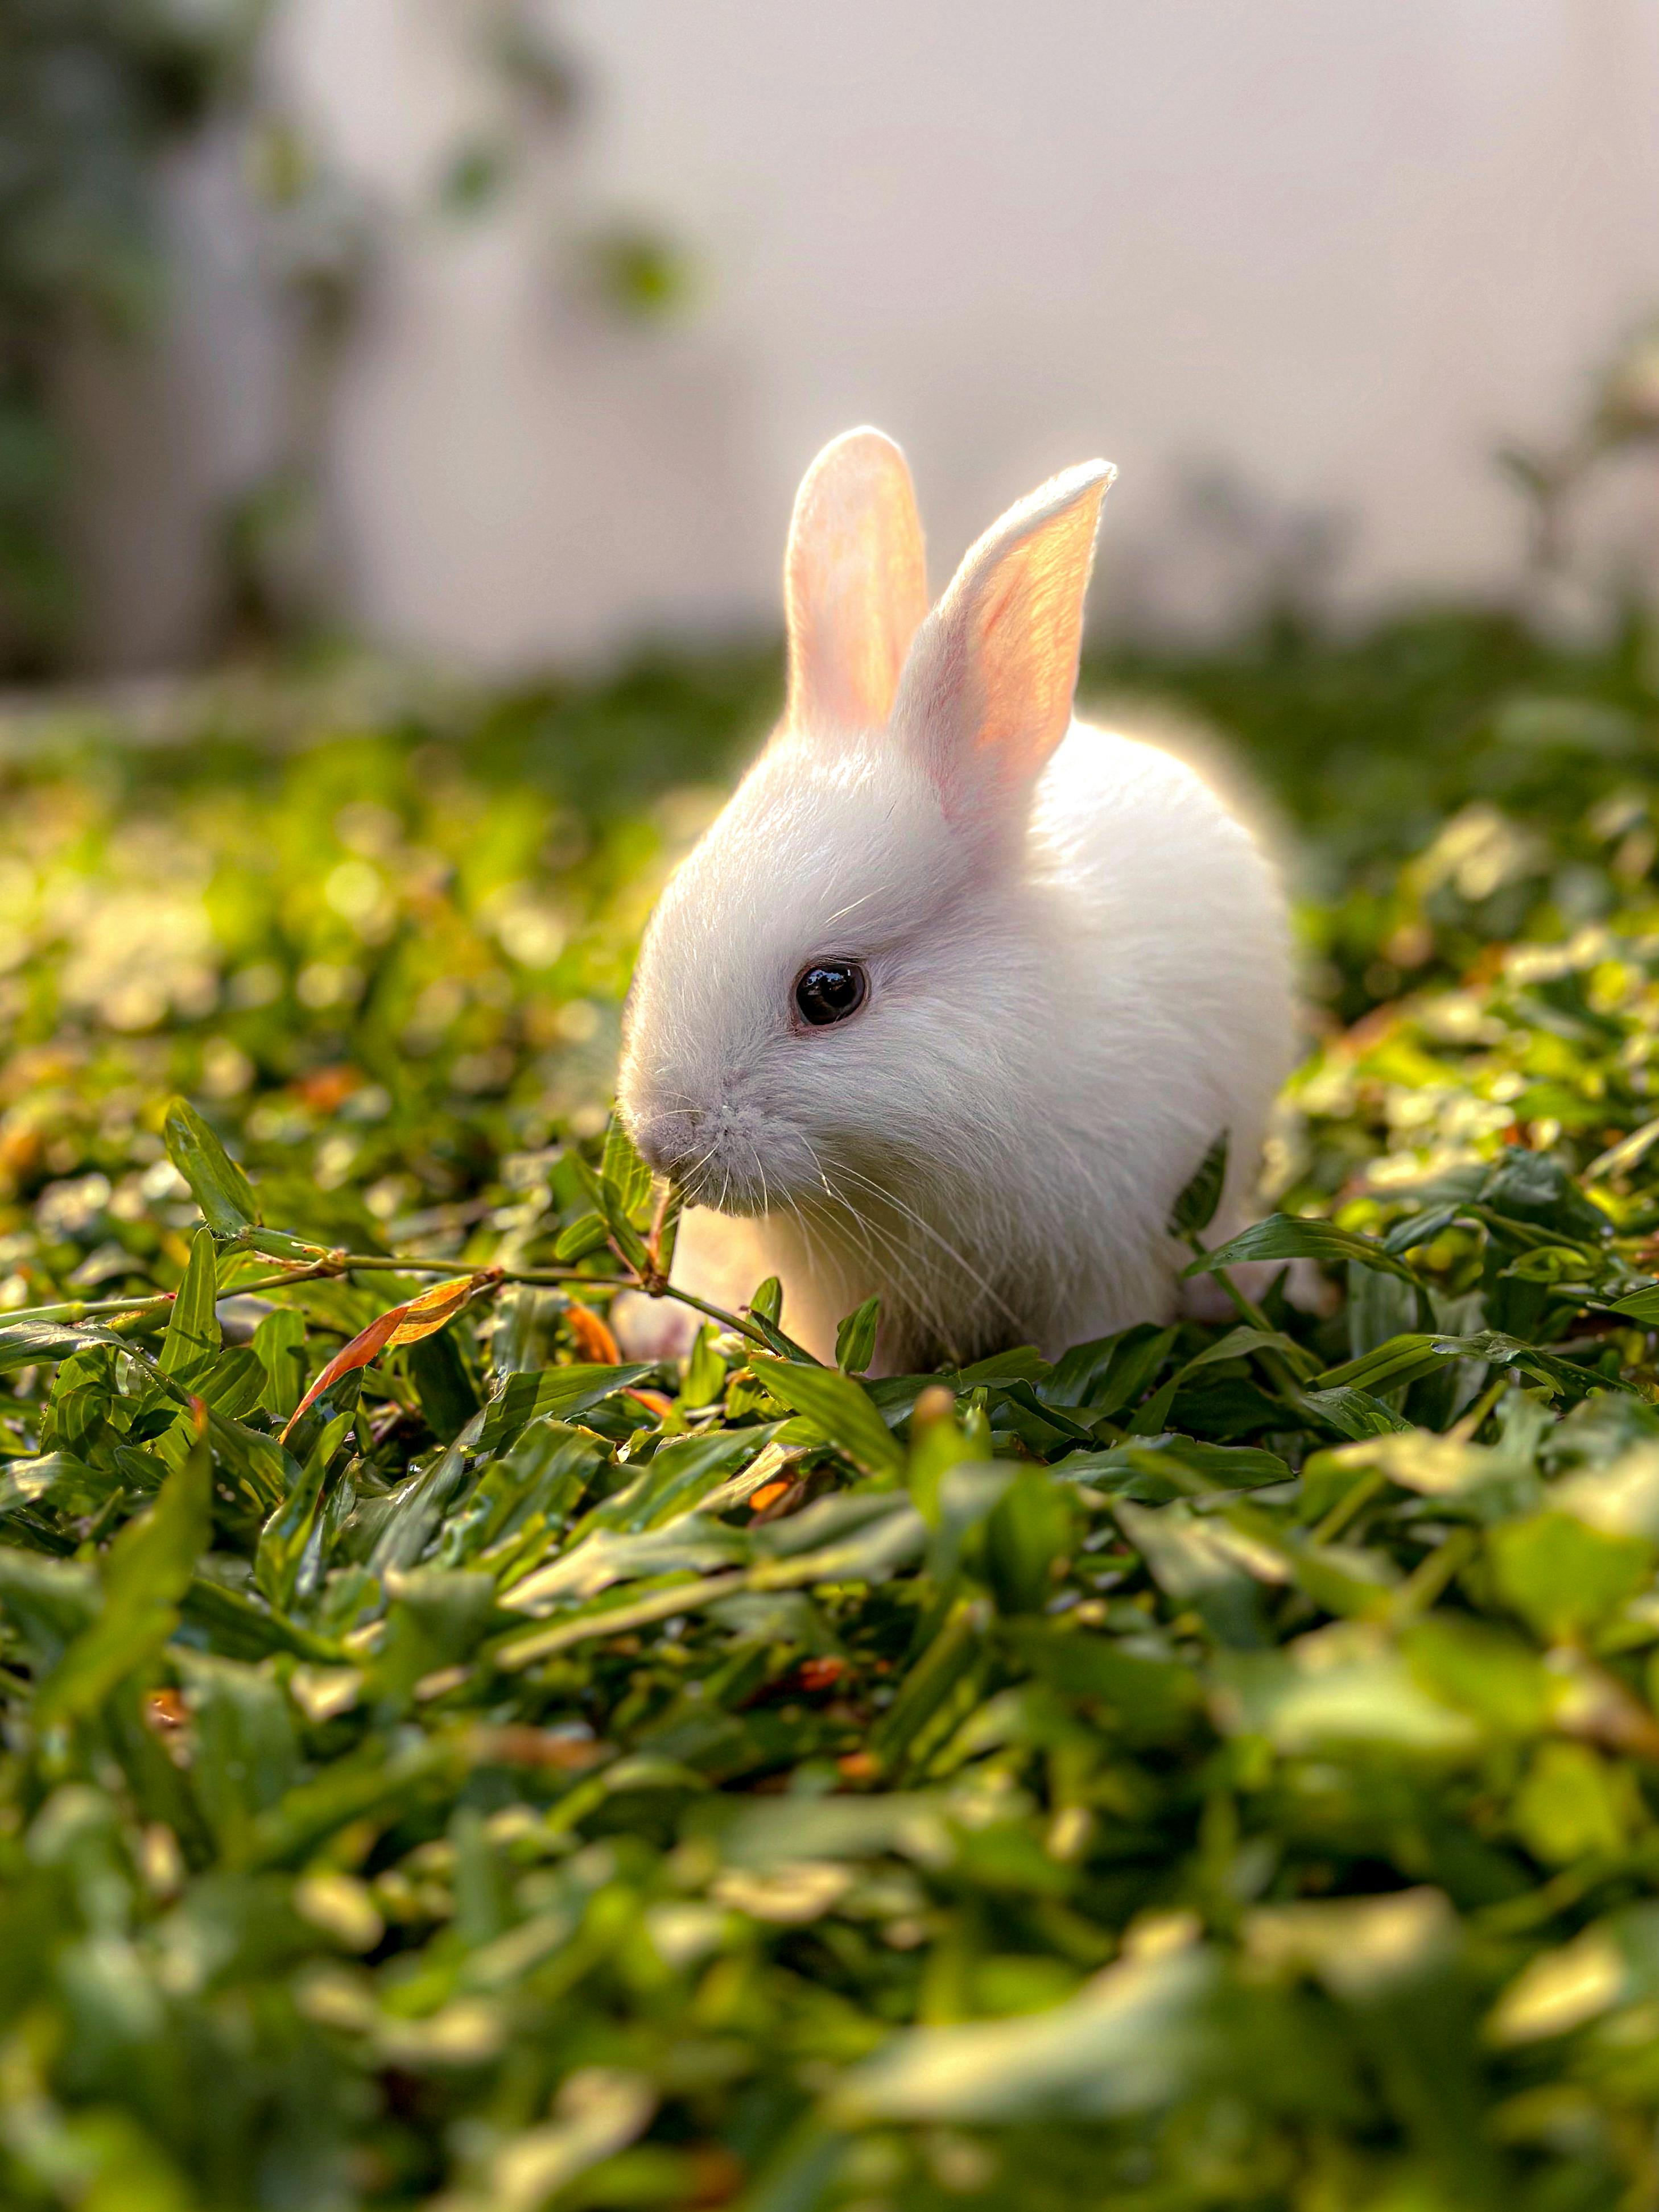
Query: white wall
{"type": "Point", "coordinates": [1340, 246]}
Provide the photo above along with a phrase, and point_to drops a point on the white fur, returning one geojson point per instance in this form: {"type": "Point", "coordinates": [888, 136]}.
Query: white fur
{"type": "Point", "coordinates": [1072, 992]}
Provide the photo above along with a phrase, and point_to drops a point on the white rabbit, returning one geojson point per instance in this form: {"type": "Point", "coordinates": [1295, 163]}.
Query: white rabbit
{"type": "Point", "coordinates": [952, 999]}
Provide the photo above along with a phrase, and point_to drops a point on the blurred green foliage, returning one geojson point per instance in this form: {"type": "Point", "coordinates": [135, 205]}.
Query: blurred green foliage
{"type": "Point", "coordinates": [1217, 1770]}
{"type": "Point", "coordinates": [92, 93]}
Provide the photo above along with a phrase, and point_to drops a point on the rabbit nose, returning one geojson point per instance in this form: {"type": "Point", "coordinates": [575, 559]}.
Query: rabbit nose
{"type": "Point", "coordinates": [667, 1142]}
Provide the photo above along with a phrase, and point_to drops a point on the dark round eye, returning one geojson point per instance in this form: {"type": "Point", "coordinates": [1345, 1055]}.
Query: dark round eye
{"type": "Point", "coordinates": [829, 990]}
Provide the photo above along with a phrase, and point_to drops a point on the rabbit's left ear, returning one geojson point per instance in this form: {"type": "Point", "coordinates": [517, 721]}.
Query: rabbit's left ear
{"type": "Point", "coordinates": [855, 584]}
{"type": "Point", "coordinates": [986, 693]}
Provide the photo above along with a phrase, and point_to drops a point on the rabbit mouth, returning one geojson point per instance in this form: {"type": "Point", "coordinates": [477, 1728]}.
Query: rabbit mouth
{"type": "Point", "coordinates": [725, 1157]}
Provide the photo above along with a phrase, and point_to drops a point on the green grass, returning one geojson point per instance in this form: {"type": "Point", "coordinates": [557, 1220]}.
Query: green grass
{"type": "Point", "coordinates": [1219, 1769]}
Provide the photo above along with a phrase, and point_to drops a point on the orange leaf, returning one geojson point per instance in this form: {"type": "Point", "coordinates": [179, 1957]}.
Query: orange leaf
{"type": "Point", "coordinates": [405, 1324]}
{"type": "Point", "coordinates": [426, 1315]}
{"type": "Point", "coordinates": [594, 1339]}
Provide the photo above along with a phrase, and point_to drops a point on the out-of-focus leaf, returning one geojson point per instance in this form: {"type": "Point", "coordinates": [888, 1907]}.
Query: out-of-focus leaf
{"type": "Point", "coordinates": [1564, 1578]}
{"type": "Point", "coordinates": [1134, 2040]}
{"type": "Point", "coordinates": [1026, 1541]}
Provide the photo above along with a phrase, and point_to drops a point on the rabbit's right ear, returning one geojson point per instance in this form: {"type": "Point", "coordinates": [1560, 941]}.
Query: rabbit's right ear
{"type": "Point", "coordinates": [855, 584]}
{"type": "Point", "coordinates": [987, 695]}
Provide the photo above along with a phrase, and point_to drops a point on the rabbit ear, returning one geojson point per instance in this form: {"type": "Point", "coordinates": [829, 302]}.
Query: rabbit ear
{"type": "Point", "coordinates": [855, 584]}
{"type": "Point", "coordinates": [986, 694]}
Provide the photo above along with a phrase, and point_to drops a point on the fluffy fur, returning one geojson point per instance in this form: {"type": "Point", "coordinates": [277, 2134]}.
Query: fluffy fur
{"type": "Point", "coordinates": [1078, 964]}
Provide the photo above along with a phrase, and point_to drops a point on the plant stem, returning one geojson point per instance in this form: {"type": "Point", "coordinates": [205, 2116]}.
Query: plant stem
{"type": "Point", "coordinates": [332, 1264]}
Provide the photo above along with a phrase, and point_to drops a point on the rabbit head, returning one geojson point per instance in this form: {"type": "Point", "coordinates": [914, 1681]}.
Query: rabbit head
{"type": "Point", "coordinates": [835, 981]}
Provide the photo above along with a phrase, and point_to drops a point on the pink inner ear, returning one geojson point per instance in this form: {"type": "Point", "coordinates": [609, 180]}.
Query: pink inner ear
{"type": "Point", "coordinates": [855, 584]}
{"type": "Point", "coordinates": [987, 693]}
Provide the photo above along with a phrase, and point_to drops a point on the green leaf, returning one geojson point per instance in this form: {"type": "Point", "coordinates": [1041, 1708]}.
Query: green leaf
{"type": "Point", "coordinates": [705, 1371]}
{"type": "Point", "coordinates": [564, 1392]}
{"type": "Point", "coordinates": [279, 1342]}
{"type": "Point", "coordinates": [1194, 1209]}
{"type": "Point", "coordinates": [1130, 2041]}
{"type": "Point", "coordinates": [855, 1338]}
{"type": "Point", "coordinates": [287, 1534]}
{"type": "Point", "coordinates": [587, 1234]}
{"type": "Point", "coordinates": [244, 1757]}
{"type": "Point", "coordinates": [1562, 1577]}
{"type": "Point", "coordinates": [1352, 1413]}
{"type": "Point", "coordinates": [33, 1343]}
{"type": "Point", "coordinates": [766, 1304]}
{"type": "Point", "coordinates": [623, 1171]}
{"type": "Point", "coordinates": [1290, 1237]}
{"type": "Point", "coordinates": [216, 1183]}
{"type": "Point", "coordinates": [145, 1576]}
{"type": "Point", "coordinates": [837, 1405]}
{"type": "Point", "coordinates": [191, 1347]}
{"type": "Point", "coordinates": [1026, 1538]}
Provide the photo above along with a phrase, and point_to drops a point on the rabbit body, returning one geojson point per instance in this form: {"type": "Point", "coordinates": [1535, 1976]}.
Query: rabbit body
{"type": "Point", "coordinates": [1073, 961]}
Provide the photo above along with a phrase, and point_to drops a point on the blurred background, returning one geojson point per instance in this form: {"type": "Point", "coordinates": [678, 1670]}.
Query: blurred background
{"type": "Point", "coordinates": [495, 334]}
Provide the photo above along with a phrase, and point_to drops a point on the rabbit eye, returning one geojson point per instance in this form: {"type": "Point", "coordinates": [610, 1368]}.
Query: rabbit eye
{"type": "Point", "coordinates": [829, 990]}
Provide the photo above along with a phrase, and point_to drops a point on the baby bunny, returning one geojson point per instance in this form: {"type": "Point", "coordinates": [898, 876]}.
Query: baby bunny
{"type": "Point", "coordinates": [952, 999]}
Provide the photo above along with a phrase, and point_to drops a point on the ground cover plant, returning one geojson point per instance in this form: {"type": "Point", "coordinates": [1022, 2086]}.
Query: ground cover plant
{"type": "Point", "coordinates": [447, 1765]}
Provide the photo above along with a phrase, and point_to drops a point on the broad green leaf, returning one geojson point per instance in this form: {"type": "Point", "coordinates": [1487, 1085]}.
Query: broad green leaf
{"type": "Point", "coordinates": [216, 1183]}
{"type": "Point", "coordinates": [145, 1576]}
{"type": "Point", "coordinates": [240, 1628]}
{"type": "Point", "coordinates": [623, 1171]}
{"type": "Point", "coordinates": [587, 1234]}
{"type": "Point", "coordinates": [33, 1343]}
{"type": "Point", "coordinates": [839, 1406]}
{"type": "Point", "coordinates": [191, 1347]}
{"type": "Point", "coordinates": [235, 1384]}
{"type": "Point", "coordinates": [1341, 1690]}
{"type": "Point", "coordinates": [705, 1371]}
{"type": "Point", "coordinates": [1352, 1413]}
{"type": "Point", "coordinates": [855, 1338]}
{"type": "Point", "coordinates": [564, 1392]}
{"type": "Point", "coordinates": [1289, 1237]}
{"type": "Point", "coordinates": [279, 1341]}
